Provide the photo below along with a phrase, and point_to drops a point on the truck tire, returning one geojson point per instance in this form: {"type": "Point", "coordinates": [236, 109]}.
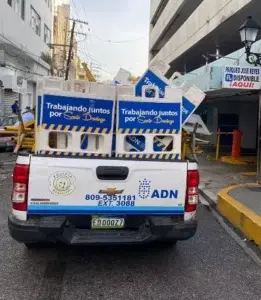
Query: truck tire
{"type": "Point", "coordinates": [35, 245]}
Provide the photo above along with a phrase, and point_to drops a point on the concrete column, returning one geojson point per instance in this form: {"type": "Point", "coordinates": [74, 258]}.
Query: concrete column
{"type": "Point", "coordinates": [259, 142]}
{"type": "Point", "coordinates": [1, 102]}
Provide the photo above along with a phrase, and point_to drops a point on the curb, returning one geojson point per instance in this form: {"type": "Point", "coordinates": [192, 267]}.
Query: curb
{"type": "Point", "coordinates": [240, 162]}
{"type": "Point", "coordinates": [7, 163]}
{"type": "Point", "coordinates": [248, 222]}
{"type": "Point", "coordinates": [210, 197]}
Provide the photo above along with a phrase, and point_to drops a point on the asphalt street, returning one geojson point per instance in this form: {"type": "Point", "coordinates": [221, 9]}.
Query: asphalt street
{"type": "Point", "coordinates": [209, 266]}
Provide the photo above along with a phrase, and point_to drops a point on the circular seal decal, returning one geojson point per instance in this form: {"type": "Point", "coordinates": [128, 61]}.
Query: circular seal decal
{"type": "Point", "coordinates": [62, 183]}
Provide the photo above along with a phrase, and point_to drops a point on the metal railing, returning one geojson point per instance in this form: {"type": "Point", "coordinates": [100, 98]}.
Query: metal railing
{"type": "Point", "coordinates": [218, 134]}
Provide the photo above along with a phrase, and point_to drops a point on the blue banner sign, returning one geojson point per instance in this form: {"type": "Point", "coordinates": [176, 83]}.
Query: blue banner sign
{"type": "Point", "coordinates": [187, 109]}
{"type": "Point", "coordinates": [77, 112]}
{"type": "Point", "coordinates": [149, 117]}
{"type": "Point", "coordinates": [137, 142]}
{"type": "Point", "coordinates": [151, 78]}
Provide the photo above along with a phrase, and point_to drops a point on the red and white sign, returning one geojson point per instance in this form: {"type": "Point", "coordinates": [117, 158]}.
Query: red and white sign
{"type": "Point", "coordinates": [237, 77]}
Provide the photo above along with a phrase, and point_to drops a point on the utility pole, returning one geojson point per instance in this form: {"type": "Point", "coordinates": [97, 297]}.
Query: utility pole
{"type": "Point", "coordinates": [259, 142]}
{"type": "Point", "coordinates": [65, 40]}
{"type": "Point", "coordinates": [71, 46]}
{"type": "Point", "coordinates": [70, 52]}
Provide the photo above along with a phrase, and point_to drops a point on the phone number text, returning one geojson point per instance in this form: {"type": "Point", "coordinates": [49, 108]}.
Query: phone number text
{"type": "Point", "coordinates": [112, 200]}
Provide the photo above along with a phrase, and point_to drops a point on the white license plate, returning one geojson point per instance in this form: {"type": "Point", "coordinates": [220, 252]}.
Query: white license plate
{"type": "Point", "coordinates": [107, 223]}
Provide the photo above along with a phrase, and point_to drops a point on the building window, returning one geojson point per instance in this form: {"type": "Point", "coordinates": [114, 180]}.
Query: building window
{"type": "Point", "coordinates": [23, 9]}
{"type": "Point", "coordinates": [47, 35]}
{"type": "Point", "coordinates": [16, 6]}
{"type": "Point", "coordinates": [48, 3]}
{"type": "Point", "coordinates": [35, 21]}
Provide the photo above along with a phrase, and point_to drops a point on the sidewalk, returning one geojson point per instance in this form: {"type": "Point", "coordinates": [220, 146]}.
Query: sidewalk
{"type": "Point", "coordinates": [241, 205]}
{"type": "Point", "coordinates": [230, 192]}
{"type": "Point", "coordinates": [7, 160]}
{"type": "Point", "coordinates": [215, 176]}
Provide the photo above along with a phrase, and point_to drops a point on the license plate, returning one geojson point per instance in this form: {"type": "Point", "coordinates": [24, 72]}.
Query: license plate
{"type": "Point", "coordinates": [107, 223]}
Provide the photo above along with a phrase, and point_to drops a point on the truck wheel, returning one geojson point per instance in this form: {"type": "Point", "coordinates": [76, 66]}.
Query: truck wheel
{"type": "Point", "coordinates": [35, 245]}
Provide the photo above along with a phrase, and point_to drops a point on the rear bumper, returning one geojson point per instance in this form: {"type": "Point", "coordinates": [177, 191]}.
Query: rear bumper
{"type": "Point", "coordinates": [57, 229]}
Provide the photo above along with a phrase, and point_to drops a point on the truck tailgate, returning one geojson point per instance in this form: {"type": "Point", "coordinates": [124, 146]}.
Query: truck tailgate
{"type": "Point", "coordinates": [67, 186]}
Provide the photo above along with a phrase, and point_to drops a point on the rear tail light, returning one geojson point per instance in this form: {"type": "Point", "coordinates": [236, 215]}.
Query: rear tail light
{"type": "Point", "coordinates": [20, 187]}
{"type": "Point", "coordinates": [192, 191]}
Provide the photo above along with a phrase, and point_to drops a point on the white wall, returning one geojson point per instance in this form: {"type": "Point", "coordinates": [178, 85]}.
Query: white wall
{"type": "Point", "coordinates": [28, 99]}
{"type": "Point", "coordinates": [19, 31]}
{"type": "Point", "coordinates": [22, 36]}
{"type": "Point", "coordinates": [1, 102]}
{"type": "Point", "coordinates": [248, 121]}
{"type": "Point", "coordinates": [20, 66]}
{"type": "Point", "coordinates": [208, 16]}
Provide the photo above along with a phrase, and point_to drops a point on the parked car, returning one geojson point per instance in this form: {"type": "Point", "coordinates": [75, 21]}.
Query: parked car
{"type": "Point", "coordinates": [6, 142]}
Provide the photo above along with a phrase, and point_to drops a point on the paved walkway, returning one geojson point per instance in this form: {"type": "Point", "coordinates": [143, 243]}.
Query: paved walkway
{"type": "Point", "coordinates": [233, 194]}
{"type": "Point", "coordinates": [215, 176]}
{"type": "Point", "coordinates": [241, 206]}
{"type": "Point", "coordinates": [249, 196]}
{"type": "Point", "coordinates": [7, 158]}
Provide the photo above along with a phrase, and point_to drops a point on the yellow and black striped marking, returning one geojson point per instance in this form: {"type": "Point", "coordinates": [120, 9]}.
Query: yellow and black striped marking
{"type": "Point", "coordinates": [150, 156]}
{"type": "Point", "coordinates": [159, 145]}
{"type": "Point", "coordinates": [72, 154]}
{"type": "Point", "coordinates": [66, 128]}
{"type": "Point", "coordinates": [146, 131]}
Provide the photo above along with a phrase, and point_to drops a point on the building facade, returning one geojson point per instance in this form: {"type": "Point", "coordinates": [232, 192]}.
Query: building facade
{"type": "Point", "coordinates": [182, 31]}
{"type": "Point", "coordinates": [25, 35]}
{"type": "Point", "coordinates": [61, 37]}
{"type": "Point", "coordinates": [198, 39]}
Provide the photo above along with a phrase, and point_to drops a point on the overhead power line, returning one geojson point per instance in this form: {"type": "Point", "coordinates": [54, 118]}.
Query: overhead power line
{"type": "Point", "coordinates": [71, 45]}
{"type": "Point", "coordinates": [119, 42]}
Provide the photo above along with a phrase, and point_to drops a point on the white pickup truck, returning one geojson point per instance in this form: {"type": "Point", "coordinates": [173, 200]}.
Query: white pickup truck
{"type": "Point", "coordinates": [82, 201]}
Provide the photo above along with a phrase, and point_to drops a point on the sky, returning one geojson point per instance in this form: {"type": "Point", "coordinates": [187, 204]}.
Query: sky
{"type": "Point", "coordinates": [118, 34]}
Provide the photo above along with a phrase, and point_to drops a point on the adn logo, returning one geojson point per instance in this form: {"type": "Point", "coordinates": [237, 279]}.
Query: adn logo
{"type": "Point", "coordinates": [144, 189]}
{"type": "Point", "coordinates": [145, 192]}
{"type": "Point", "coordinates": [164, 194]}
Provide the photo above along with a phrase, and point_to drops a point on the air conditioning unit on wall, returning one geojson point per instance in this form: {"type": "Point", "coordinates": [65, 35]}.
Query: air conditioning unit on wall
{"type": "Point", "coordinates": [2, 57]}
{"type": "Point", "coordinates": [15, 83]}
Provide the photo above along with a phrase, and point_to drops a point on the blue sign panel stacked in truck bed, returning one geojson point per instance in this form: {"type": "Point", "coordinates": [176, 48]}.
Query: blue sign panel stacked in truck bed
{"type": "Point", "coordinates": [147, 117]}
{"type": "Point", "coordinates": [77, 114]}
